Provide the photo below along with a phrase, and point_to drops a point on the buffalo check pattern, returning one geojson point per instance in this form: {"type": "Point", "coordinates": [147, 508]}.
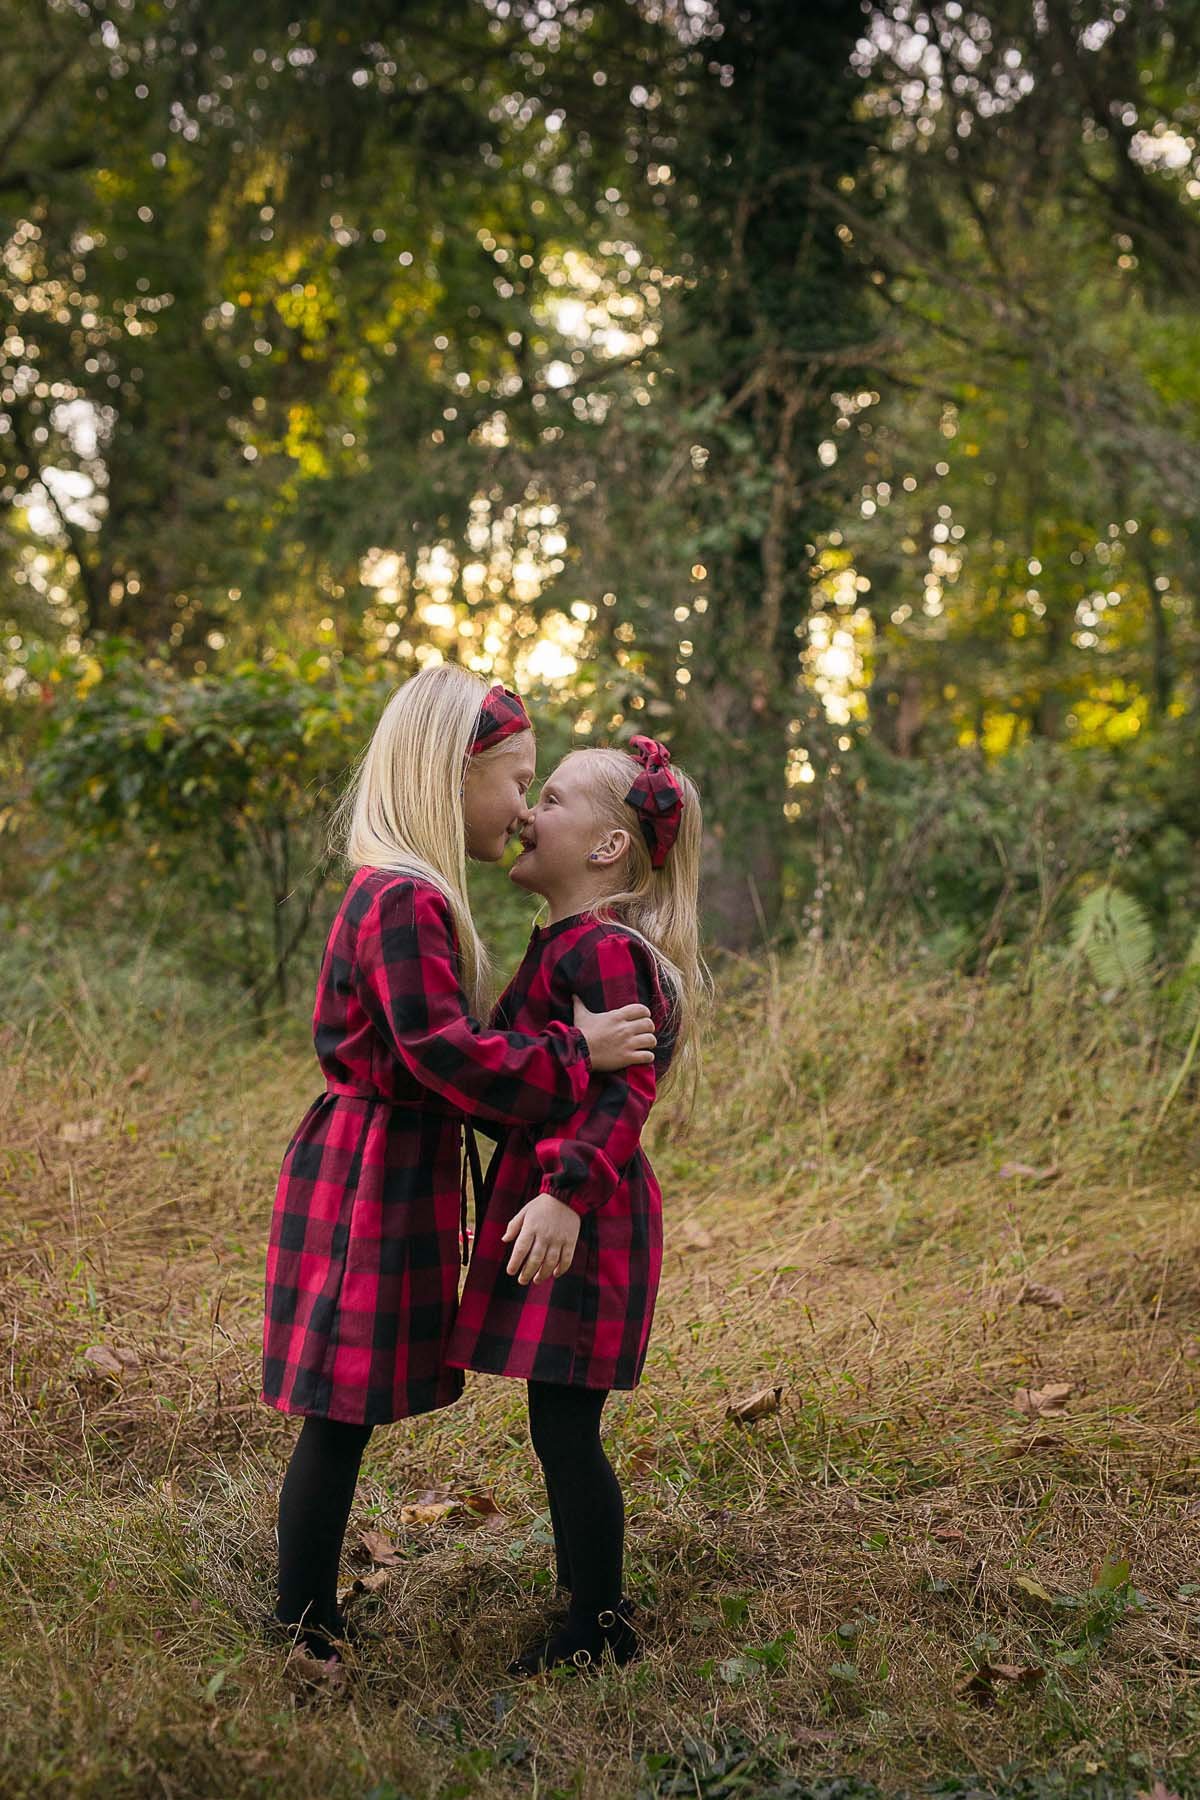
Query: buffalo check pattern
{"type": "Point", "coordinates": [362, 1264]}
{"type": "Point", "coordinates": [589, 1327]}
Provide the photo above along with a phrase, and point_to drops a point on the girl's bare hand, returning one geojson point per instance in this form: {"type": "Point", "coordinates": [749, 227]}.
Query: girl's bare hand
{"type": "Point", "coordinates": [545, 1233]}
{"type": "Point", "coordinates": [616, 1040]}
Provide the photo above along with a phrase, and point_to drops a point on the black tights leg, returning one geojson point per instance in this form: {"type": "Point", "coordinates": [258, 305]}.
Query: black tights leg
{"type": "Point", "coordinates": [314, 1507]}
{"type": "Point", "coordinates": [589, 1515]}
{"type": "Point", "coordinates": [562, 1556]}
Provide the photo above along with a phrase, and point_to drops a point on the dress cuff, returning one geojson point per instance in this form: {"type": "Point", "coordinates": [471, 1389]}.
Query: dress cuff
{"type": "Point", "coordinates": [573, 1198]}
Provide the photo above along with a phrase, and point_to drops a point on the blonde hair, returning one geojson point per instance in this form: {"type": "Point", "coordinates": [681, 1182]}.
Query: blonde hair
{"type": "Point", "coordinates": [403, 809]}
{"type": "Point", "coordinates": [659, 906]}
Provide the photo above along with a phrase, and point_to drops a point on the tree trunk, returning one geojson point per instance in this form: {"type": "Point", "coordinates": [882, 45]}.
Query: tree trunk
{"type": "Point", "coordinates": [756, 342]}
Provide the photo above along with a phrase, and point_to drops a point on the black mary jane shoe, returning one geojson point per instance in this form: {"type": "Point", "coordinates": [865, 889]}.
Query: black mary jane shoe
{"type": "Point", "coordinates": [583, 1648]}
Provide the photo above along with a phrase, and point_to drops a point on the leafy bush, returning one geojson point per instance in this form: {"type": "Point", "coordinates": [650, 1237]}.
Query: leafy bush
{"type": "Point", "coordinates": [982, 859]}
{"type": "Point", "coordinates": [222, 785]}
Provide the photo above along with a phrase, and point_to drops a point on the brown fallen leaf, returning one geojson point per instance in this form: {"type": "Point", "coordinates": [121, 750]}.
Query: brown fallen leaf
{"type": "Point", "coordinates": [379, 1547]}
{"type": "Point", "coordinates": [80, 1130]}
{"type": "Point", "coordinates": [373, 1580]}
{"type": "Point", "coordinates": [139, 1076]}
{"type": "Point", "coordinates": [1009, 1170]}
{"type": "Point", "coordinates": [427, 1512]}
{"type": "Point", "coordinates": [1041, 1440]}
{"type": "Point", "coordinates": [1045, 1402]}
{"type": "Point", "coordinates": [641, 1460]}
{"type": "Point", "coordinates": [948, 1534]}
{"type": "Point", "coordinates": [104, 1361]}
{"type": "Point", "coordinates": [484, 1504]}
{"type": "Point", "coordinates": [980, 1684]}
{"type": "Point", "coordinates": [755, 1406]}
{"type": "Point", "coordinates": [695, 1235]}
{"type": "Point", "coordinates": [1034, 1294]}
{"type": "Point", "coordinates": [323, 1677]}
{"type": "Point", "coordinates": [1160, 1791]}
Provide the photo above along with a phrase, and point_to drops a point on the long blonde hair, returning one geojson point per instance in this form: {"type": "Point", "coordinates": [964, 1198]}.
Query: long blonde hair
{"type": "Point", "coordinates": [660, 906]}
{"type": "Point", "coordinates": [403, 809]}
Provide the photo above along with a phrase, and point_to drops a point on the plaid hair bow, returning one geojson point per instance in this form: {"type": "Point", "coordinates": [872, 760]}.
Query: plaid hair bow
{"type": "Point", "coordinates": [656, 797]}
{"type": "Point", "coordinates": [501, 715]}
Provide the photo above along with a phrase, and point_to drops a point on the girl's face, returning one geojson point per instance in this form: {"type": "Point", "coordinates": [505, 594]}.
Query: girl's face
{"type": "Point", "coordinates": [560, 834]}
{"type": "Point", "coordinates": [494, 791]}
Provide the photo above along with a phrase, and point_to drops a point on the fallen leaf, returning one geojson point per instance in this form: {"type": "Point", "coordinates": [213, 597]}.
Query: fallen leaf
{"type": "Point", "coordinates": [81, 1130]}
{"type": "Point", "coordinates": [1112, 1576]}
{"type": "Point", "coordinates": [695, 1235]}
{"type": "Point", "coordinates": [328, 1677]}
{"type": "Point", "coordinates": [980, 1684]}
{"type": "Point", "coordinates": [485, 1504]}
{"type": "Point", "coordinates": [1009, 1170]}
{"type": "Point", "coordinates": [1034, 1294]}
{"type": "Point", "coordinates": [375, 1579]}
{"type": "Point", "coordinates": [641, 1461]}
{"type": "Point", "coordinates": [1029, 1584]}
{"type": "Point", "coordinates": [140, 1075]}
{"type": "Point", "coordinates": [104, 1361]}
{"type": "Point", "coordinates": [1046, 1402]}
{"type": "Point", "coordinates": [427, 1512]}
{"type": "Point", "coordinates": [379, 1547]}
{"type": "Point", "coordinates": [755, 1406]}
{"type": "Point", "coordinates": [948, 1534]}
{"type": "Point", "coordinates": [1160, 1791]}
{"type": "Point", "coordinates": [1041, 1440]}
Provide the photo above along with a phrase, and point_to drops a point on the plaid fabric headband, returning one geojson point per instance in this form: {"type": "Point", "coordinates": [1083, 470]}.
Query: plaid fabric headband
{"type": "Point", "coordinates": [655, 797]}
{"type": "Point", "coordinates": [501, 715]}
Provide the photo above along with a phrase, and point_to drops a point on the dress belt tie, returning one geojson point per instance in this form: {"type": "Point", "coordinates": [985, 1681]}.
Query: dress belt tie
{"type": "Point", "coordinates": [443, 1110]}
{"type": "Point", "coordinates": [426, 1103]}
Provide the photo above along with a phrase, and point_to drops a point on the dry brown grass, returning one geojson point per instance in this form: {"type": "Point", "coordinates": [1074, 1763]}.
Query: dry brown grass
{"type": "Point", "coordinates": [820, 1582]}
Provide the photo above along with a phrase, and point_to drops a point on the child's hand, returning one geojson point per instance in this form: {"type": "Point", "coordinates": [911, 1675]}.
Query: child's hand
{"type": "Point", "coordinates": [617, 1039]}
{"type": "Point", "coordinates": [546, 1232]}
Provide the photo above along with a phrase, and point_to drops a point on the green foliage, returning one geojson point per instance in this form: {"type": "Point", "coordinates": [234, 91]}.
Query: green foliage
{"type": "Point", "coordinates": [224, 784]}
{"type": "Point", "coordinates": [731, 324]}
{"type": "Point", "coordinates": [1114, 934]}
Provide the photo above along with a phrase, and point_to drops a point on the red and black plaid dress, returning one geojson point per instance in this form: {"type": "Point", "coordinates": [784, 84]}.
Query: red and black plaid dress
{"type": "Point", "coordinates": [589, 1327]}
{"type": "Point", "coordinates": [363, 1263]}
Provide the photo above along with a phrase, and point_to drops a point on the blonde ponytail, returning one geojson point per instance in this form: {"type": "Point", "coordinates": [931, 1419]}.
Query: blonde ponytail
{"type": "Point", "coordinates": [403, 810]}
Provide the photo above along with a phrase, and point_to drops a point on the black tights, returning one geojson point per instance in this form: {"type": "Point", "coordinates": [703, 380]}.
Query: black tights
{"type": "Point", "coordinates": [586, 1508]}
{"type": "Point", "coordinates": [314, 1507]}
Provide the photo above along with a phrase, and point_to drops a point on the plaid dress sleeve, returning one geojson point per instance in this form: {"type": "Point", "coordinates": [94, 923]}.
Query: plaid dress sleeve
{"type": "Point", "coordinates": [583, 1160]}
{"type": "Point", "coordinates": [408, 980]}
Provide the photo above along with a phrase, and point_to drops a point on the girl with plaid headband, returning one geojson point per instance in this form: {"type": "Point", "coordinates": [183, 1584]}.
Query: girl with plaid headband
{"type": "Point", "coordinates": [561, 1288]}
{"type": "Point", "coordinates": [363, 1261]}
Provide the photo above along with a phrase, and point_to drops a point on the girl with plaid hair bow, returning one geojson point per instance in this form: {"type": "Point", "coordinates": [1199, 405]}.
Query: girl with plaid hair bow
{"type": "Point", "coordinates": [562, 1284]}
{"type": "Point", "coordinates": [363, 1261]}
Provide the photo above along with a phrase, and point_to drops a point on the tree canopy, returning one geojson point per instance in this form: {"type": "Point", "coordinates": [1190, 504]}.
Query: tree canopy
{"type": "Point", "coordinates": [816, 387]}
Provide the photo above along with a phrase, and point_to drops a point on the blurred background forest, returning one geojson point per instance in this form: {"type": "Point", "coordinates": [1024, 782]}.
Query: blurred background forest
{"type": "Point", "coordinates": [815, 387]}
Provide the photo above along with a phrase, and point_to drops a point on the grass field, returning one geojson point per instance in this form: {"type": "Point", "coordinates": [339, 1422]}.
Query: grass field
{"type": "Point", "coordinates": [912, 1203]}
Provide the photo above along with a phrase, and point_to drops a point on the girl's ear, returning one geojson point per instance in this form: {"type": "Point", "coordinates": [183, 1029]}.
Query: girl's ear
{"type": "Point", "coordinates": [614, 846]}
